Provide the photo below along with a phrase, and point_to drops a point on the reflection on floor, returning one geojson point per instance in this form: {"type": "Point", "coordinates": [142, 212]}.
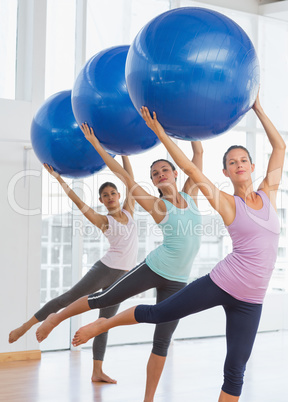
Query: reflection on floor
{"type": "Point", "coordinates": [193, 373]}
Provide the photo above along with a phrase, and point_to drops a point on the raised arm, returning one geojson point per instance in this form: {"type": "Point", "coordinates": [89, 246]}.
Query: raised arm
{"type": "Point", "coordinates": [94, 217]}
{"type": "Point", "coordinates": [272, 179]}
{"type": "Point", "coordinates": [190, 187]}
{"type": "Point", "coordinates": [151, 204]}
{"type": "Point", "coordinates": [129, 202]}
{"type": "Point", "coordinates": [219, 200]}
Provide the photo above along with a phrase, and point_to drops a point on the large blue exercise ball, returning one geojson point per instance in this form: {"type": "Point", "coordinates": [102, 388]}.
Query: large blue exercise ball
{"type": "Point", "coordinates": [100, 98]}
{"type": "Point", "coordinates": [196, 68]}
{"type": "Point", "coordinates": [58, 140]}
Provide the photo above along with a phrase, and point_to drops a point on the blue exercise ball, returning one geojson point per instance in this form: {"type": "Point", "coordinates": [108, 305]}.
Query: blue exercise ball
{"type": "Point", "coordinates": [196, 68]}
{"type": "Point", "coordinates": [58, 140]}
{"type": "Point", "coordinates": [100, 98]}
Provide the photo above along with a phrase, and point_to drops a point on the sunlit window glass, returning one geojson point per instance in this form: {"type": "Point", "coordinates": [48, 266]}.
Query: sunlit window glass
{"type": "Point", "coordinates": [60, 46]}
{"type": "Point", "coordinates": [117, 22]}
{"type": "Point", "coordinates": [8, 39]}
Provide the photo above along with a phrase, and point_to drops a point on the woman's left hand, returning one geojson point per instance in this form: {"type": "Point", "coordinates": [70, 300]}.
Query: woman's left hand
{"type": "Point", "coordinates": [257, 106]}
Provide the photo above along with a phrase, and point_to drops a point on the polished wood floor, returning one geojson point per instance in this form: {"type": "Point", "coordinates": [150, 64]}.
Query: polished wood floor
{"type": "Point", "coordinates": [193, 373]}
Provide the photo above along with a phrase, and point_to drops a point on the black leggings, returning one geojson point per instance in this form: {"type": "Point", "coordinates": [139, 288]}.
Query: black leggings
{"type": "Point", "coordinates": [137, 281]}
{"type": "Point", "coordinates": [98, 277]}
{"type": "Point", "coordinates": [242, 320]}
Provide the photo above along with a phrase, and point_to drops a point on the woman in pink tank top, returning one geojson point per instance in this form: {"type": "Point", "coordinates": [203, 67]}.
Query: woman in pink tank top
{"type": "Point", "coordinates": [120, 229]}
{"type": "Point", "coordinates": [239, 282]}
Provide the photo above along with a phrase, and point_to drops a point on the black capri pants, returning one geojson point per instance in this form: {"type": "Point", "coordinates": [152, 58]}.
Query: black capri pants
{"type": "Point", "coordinates": [138, 280]}
{"type": "Point", "coordinates": [242, 320]}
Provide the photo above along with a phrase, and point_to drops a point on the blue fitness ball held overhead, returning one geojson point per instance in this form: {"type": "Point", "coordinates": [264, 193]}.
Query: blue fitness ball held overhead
{"type": "Point", "coordinates": [100, 98]}
{"type": "Point", "coordinates": [196, 68]}
{"type": "Point", "coordinates": [58, 140]}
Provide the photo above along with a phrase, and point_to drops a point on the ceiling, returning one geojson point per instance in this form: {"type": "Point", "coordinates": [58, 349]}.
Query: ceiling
{"type": "Point", "coordinates": [278, 10]}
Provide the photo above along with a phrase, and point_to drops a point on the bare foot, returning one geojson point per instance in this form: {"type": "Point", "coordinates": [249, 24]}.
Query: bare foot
{"type": "Point", "coordinates": [46, 327]}
{"type": "Point", "coordinates": [17, 333]}
{"type": "Point", "coordinates": [89, 331]}
{"type": "Point", "coordinates": [98, 375]}
{"type": "Point", "coordinates": [102, 377]}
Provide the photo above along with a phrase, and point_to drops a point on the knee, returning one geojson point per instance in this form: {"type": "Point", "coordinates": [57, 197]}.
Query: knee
{"type": "Point", "coordinates": [160, 346]}
{"type": "Point", "coordinates": [93, 301]}
{"type": "Point", "coordinates": [108, 311]}
{"type": "Point", "coordinates": [65, 299]}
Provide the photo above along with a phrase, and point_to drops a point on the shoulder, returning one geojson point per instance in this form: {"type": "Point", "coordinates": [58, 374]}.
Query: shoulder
{"type": "Point", "coordinates": [185, 195]}
{"type": "Point", "coordinates": [105, 223]}
{"type": "Point", "coordinates": [268, 197]}
{"type": "Point", "coordinates": [108, 219]}
{"type": "Point", "coordinates": [228, 200]}
{"type": "Point", "coordinates": [263, 194]}
{"type": "Point", "coordinates": [128, 214]}
{"type": "Point", "coordinates": [227, 207]}
{"type": "Point", "coordinates": [190, 199]}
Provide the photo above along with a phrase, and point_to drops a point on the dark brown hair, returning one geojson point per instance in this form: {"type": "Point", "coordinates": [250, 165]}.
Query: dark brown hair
{"type": "Point", "coordinates": [106, 184]}
{"type": "Point", "coordinates": [235, 147]}
{"type": "Point", "coordinates": [161, 160]}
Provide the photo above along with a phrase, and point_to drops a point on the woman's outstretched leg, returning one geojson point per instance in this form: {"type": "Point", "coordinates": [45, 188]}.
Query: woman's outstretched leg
{"type": "Point", "coordinates": [103, 325]}
{"type": "Point", "coordinates": [136, 281]}
{"type": "Point", "coordinates": [79, 306]}
{"type": "Point", "coordinates": [99, 276]}
{"type": "Point", "coordinates": [197, 296]}
{"type": "Point", "coordinates": [20, 331]}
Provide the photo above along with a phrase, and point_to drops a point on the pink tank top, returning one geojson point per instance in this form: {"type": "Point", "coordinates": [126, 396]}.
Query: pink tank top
{"type": "Point", "coordinates": [245, 273]}
{"type": "Point", "coordinates": [123, 239]}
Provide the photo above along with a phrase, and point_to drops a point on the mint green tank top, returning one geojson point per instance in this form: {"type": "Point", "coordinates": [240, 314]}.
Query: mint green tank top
{"type": "Point", "coordinates": [182, 229]}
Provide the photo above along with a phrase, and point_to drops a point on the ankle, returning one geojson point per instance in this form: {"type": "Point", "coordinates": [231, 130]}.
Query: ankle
{"type": "Point", "coordinates": [97, 366]}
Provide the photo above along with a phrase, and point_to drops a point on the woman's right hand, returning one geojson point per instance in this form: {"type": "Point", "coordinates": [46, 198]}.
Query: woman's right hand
{"type": "Point", "coordinates": [152, 123]}
{"type": "Point", "coordinates": [89, 135]}
{"type": "Point", "coordinates": [51, 171]}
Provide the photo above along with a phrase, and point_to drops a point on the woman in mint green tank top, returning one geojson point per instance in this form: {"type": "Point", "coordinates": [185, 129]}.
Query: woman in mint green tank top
{"type": "Point", "coordinates": [237, 283]}
{"type": "Point", "coordinates": [167, 268]}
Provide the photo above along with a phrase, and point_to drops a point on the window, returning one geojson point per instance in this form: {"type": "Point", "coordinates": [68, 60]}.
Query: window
{"type": "Point", "coordinates": [8, 40]}
{"type": "Point", "coordinates": [113, 23]}
{"type": "Point", "coordinates": [117, 22]}
{"type": "Point", "coordinates": [281, 252]}
{"type": "Point", "coordinates": [282, 214]}
{"type": "Point", "coordinates": [44, 255]}
{"type": "Point", "coordinates": [60, 46]}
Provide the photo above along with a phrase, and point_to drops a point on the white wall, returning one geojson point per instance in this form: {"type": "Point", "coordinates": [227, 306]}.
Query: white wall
{"type": "Point", "coordinates": [248, 6]}
{"type": "Point", "coordinates": [20, 236]}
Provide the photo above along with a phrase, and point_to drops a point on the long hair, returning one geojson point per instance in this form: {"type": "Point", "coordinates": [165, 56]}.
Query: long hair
{"type": "Point", "coordinates": [235, 147]}
{"type": "Point", "coordinates": [161, 160]}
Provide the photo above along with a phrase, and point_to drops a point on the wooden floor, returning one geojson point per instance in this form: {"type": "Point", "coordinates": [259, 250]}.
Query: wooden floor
{"type": "Point", "coordinates": [193, 373]}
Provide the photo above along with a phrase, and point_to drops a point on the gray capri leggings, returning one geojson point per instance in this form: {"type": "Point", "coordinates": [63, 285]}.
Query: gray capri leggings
{"type": "Point", "coordinates": [98, 277]}
{"type": "Point", "coordinates": [136, 281]}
